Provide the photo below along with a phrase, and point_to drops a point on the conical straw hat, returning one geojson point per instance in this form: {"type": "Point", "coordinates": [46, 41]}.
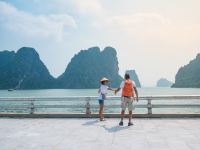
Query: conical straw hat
{"type": "Point", "coordinates": [104, 79]}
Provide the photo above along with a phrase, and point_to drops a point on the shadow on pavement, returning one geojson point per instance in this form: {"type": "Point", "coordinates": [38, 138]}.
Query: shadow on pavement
{"type": "Point", "coordinates": [115, 128]}
{"type": "Point", "coordinates": [91, 122]}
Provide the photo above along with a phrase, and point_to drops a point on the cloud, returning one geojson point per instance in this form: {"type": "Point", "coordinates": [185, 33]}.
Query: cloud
{"type": "Point", "coordinates": [139, 25]}
{"type": "Point", "coordinates": [141, 18]}
{"type": "Point", "coordinates": [151, 28]}
{"type": "Point", "coordinates": [29, 25]}
{"type": "Point", "coordinates": [86, 7]}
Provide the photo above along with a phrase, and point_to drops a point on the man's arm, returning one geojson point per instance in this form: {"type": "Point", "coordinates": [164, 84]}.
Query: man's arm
{"type": "Point", "coordinates": [117, 90]}
{"type": "Point", "coordinates": [136, 92]}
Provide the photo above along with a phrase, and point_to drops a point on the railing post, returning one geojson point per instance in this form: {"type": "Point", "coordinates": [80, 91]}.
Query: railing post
{"type": "Point", "coordinates": [87, 106]}
{"type": "Point", "coordinates": [149, 106]}
{"type": "Point", "coordinates": [32, 107]}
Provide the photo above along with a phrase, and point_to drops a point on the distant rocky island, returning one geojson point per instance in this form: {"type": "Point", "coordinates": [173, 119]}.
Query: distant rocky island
{"type": "Point", "coordinates": [164, 83]}
{"type": "Point", "coordinates": [134, 77]}
{"type": "Point", "coordinates": [88, 66]}
{"type": "Point", "coordinates": [188, 76]}
{"type": "Point", "coordinates": [25, 70]}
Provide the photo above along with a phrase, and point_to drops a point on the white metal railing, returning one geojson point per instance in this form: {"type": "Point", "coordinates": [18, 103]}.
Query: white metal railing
{"type": "Point", "coordinates": [34, 105]}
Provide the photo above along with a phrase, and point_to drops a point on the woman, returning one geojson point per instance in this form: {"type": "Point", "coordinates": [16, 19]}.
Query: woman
{"type": "Point", "coordinates": [103, 90]}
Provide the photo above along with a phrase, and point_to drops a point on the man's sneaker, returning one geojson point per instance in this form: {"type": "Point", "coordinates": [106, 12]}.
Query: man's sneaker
{"type": "Point", "coordinates": [130, 124]}
{"type": "Point", "coordinates": [102, 119]}
{"type": "Point", "coordinates": [121, 123]}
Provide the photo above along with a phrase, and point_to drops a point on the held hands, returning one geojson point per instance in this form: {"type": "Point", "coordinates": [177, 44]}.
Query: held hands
{"type": "Point", "coordinates": [115, 92]}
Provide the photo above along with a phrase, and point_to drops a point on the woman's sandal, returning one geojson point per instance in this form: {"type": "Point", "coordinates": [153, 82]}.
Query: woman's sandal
{"type": "Point", "coordinates": [102, 119]}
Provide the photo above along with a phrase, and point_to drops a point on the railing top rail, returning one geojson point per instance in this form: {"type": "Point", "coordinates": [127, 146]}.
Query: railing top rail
{"type": "Point", "coordinates": [68, 98]}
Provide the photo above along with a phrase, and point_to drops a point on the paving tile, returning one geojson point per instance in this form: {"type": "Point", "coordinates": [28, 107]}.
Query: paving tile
{"type": "Point", "coordinates": [90, 134]}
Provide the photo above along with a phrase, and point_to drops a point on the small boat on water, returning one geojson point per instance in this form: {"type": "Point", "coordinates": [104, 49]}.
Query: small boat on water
{"type": "Point", "coordinates": [17, 87]}
{"type": "Point", "coordinates": [10, 90]}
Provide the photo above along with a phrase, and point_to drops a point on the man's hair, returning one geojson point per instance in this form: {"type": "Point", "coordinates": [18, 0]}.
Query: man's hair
{"type": "Point", "coordinates": [127, 76]}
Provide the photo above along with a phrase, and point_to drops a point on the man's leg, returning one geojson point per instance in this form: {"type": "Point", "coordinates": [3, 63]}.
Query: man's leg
{"type": "Point", "coordinates": [130, 115]}
{"type": "Point", "coordinates": [122, 115]}
{"type": "Point", "coordinates": [123, 107]}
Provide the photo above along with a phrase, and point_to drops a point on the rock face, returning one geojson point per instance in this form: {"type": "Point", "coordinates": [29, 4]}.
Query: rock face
{"type": "Point", "coordinates": [89, 66]}
{"type": "Point", "coordinates": [164, 83]}
{"type": "Point", "coordinates": [188, 76]}
{"type": "Point", "coordinates": [24, 70]}
{"type": "Point", "coordinates": [134, 77]}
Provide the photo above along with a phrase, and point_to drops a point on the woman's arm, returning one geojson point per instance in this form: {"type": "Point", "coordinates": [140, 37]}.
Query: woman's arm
{"type": "Point", "coordinates": [111, 89]}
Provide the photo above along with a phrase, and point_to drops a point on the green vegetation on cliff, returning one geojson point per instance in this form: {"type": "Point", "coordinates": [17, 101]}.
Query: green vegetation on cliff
{"type": "Point", "coordinates": [24, 70]}
{"type": "Point", "coordinates": [88, 66]}
{"type": "Point", "coordinates": [188, 76]}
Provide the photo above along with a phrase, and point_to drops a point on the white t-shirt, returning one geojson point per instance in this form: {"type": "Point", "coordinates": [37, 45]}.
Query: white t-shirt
{"type": "Point", "coordinates": [103, 90]}
{"type": "Point", "coordinates": [123, 82]}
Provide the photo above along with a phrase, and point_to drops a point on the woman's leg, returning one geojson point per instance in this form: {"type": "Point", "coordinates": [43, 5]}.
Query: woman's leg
{"type": "Point", "coordinates": [101, 111]}
{"type": "Point", "coordinates": [101, 106]}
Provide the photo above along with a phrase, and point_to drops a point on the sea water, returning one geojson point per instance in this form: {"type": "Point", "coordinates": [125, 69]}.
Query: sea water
{"type": "Point", "coordinates": [94, 92]}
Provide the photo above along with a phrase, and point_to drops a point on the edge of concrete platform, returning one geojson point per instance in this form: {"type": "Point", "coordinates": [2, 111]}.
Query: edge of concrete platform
{"type": "Point", "coordinates": [42, 115]}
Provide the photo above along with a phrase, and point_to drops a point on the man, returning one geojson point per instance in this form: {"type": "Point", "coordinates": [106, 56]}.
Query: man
{"type": "Point", "coordinates": [129, 92]}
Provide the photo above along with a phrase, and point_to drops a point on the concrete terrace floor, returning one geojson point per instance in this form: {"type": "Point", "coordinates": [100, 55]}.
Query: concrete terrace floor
{"type": "Point", "coordinates": [90, 134]}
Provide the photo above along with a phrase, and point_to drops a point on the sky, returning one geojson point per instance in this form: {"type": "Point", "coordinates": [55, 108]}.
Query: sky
{"type": "Point", "coordinates": [154, 37]}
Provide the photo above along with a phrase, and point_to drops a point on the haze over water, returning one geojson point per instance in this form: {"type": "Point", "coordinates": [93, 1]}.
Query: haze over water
{"type": "Point", "coordinates": [93, 92]}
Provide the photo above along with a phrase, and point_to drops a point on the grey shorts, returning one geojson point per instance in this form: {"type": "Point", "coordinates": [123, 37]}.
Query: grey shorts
{"type": "Point", "coordinates": [127, 102]}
